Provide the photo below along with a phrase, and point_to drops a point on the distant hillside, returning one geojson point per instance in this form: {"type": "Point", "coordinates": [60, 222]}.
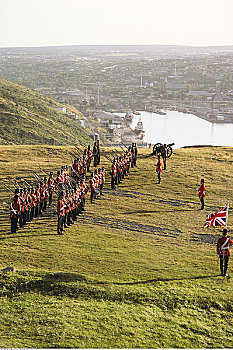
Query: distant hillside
{"type": "Point", "coordinates": [27, 117]}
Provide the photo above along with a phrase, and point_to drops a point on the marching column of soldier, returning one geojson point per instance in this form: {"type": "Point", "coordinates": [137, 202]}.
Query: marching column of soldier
{"type": "Point", "coordinates": [121, 165]}
{"type": "Point", "coordinates": [30, 202]}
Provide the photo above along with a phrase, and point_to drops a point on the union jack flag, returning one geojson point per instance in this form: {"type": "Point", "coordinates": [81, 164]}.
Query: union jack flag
{"type": "Point", "coordinates": [219, 218]}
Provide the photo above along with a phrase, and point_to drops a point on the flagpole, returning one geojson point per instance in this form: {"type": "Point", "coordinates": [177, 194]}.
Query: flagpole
{"type": "Point", "coordinates": [227, 211]}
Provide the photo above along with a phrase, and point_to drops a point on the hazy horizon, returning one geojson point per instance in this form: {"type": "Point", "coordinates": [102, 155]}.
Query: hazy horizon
{"type": "Point", "coordinates": [43, 23]}
{"type": "Point", "coordinates": [117, 45]}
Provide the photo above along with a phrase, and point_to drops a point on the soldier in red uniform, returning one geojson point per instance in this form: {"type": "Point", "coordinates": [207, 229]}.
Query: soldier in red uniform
{"type": "Point", "coordinates": [26, 207]}
{"type": "Point", "coordinates": [89, 157]}
{"type": "Point", "coordinates": [95, 154]}
{"type": "Point", "coordinates": [61, 206]}
{"type": "Point", "coordinates": [46, 192]}
{"type": "Point", "coordinates": [102, 179]}
{"type": "Point", "coordinates": [159, 169]}
{"type": "Point", "coordinates": [113, 173]}
{"type": "Point", "coordinates": [14, 212]}
{"type": "Point", "coordinates": [74, 169]}
{"type": "Point", "coordinates": [33, 203]}
{"type": "Point", "coordinates": [164, 156]}
{"type": "Point", "coordinates": [98, 154]}
{"type": "Point", "coordinates": [42, 198]}
{"type": "Point", "coordinates": [223, 251]}
{"type": "Point", "coordinates": [92, 187]}
{"type": "Point", "coordinates": [37, 208]}
{"type": "Point", "coordinates": [50, 187]}
{"type": "Point", "coordinates": [59, 180]}
{"type": "Point", "coordinates": [201, 193]}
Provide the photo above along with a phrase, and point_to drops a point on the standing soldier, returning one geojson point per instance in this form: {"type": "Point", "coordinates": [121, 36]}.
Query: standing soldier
{"type": "Point", "coordinates": [103, 180]}
{"type": "Point", "coordinates": [92, 187]}
{"type": "Point", "coordinates": [74, 170]}
{"type": "Point", "coordinates": [22, 204]}
{"type": "Point", "coordinates": [113, 173]}
{"type": "Point", "coordinates": [14, 211]}
{"type": "Point", "coordinates": [42, 198]}
{"type": "Point", "coordinates": [60, 213]}
{"type": "Point", "coordinates": [50, 187]}
{"type": "Point", "coordinates": [223, 252]}
{"type": "Point", "coordinates": [159, 169]}
{"type": "Point", "coordinates": [98, 149]}
{"type": "Point", "coordinates": [26, 207]}
{"type": "Point", "coordinates": [37, 208]}
{"type": "Point", "coordinates": [201, 193]}
{"type": "Point", "coordinates": [89, 157]}
{"type": "Point", "coordinates": [46, 191]}
{"type": "Point", "coordinates": [164, 156]}
{"type": "Point", "coordinates": [33, 203]}
{"type": "Point", "coordinates": [135, 153]}
{"type": "Point", "coordinates": [84, 190]}
{"type": "Point", "coordinates": [59, 179]}
{"type": "Point", "coordinates": [95, 154]}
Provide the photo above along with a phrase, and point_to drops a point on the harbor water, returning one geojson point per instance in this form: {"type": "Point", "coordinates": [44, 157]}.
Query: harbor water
{"type": "Point", "coordinates": [183, 129]}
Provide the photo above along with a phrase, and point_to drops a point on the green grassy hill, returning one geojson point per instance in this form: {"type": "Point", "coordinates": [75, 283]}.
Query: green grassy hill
{"type": "Point", "coordinates": [138, 270]}
{"type": "Point", "coordinates": [27, 117]}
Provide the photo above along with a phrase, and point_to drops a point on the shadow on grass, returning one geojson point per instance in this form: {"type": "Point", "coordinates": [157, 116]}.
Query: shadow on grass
{"type": "Point", "coordinates": [72, 277]}
{"type": "Point", "coordinates": [166, 280]}
{"type": "Point", "coordinates": [156, 211]}
{"type": "Point", "coordinates": [6, 236]}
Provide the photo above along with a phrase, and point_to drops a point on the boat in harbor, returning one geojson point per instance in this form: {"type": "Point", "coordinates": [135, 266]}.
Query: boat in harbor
{"type": "Point", "coordinates": [159, 111]}
{"type": "Point", "coordinates": [139, 129]}
{"type": "Point", "coordinates": [129, 116]}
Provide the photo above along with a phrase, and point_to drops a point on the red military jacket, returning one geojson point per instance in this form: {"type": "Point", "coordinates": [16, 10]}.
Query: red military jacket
{"type": "Point", "coordinates": [15, 209]}
{"type": "Point", "coordinates": [51, 183]}
{"type": "Point", "coordinates": [114, 171]}
{"type": "Point", "coordinates": [61, 207]}
{"type": "Point", "coordinates": [37, 193]}
{"type": "Point", "coordinates": [42, 193]}
{"type": "Point", "coordinates": [223, 245]}
{"type": "Point", "coordinates": [33, 197]}
{"type": "Point", "coordinates": [59, 181]}
{"type": "Point", "coordinates": [158, 166]}
{"type": "Point", "coordinates": [74, 169]}
{"type": "Point", "coordinates": [68, 204]}
{"type": "Point", "coordinates": [201, 191]}
{"type": "Point", "coordinates": [92, 183]}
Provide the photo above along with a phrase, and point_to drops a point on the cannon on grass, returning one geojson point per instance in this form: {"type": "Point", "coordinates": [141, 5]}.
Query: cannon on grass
{"type": "Point", "coordinates": [158, 149]}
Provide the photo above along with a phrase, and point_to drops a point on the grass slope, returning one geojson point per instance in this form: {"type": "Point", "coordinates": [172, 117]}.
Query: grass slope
{"type": "Point", "coordinates": [28, 117]}
{"type": "Point", "coordinates": [137, 271]}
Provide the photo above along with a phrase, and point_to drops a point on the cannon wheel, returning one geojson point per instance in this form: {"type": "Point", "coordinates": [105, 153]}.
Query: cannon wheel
{"type": "Point", "coordinates": [156, 146]}
{"type": "Point", "coordinates": [169, 151]}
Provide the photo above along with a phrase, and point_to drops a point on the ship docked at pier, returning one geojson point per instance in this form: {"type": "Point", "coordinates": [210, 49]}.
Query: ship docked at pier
{"type": "Point", "coordinates": [139, 129]}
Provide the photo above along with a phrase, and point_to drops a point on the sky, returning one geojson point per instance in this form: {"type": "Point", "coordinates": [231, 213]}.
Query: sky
{"type": "Point", "coordinates": [28, 23]}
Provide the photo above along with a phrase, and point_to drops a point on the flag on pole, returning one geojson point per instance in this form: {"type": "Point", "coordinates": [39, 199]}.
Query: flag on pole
{"type": "Point", "coordinates": [219, 218]}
